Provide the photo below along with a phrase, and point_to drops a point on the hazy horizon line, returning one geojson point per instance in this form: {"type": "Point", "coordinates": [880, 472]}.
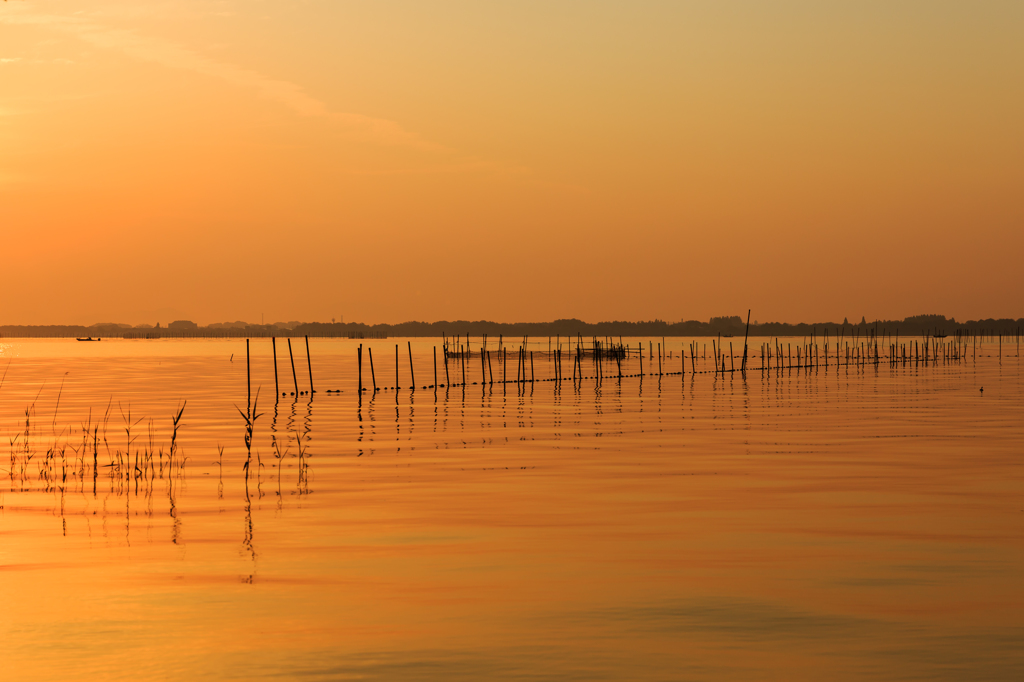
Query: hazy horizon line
{"type": "Point", "coordinates": [715, 320]}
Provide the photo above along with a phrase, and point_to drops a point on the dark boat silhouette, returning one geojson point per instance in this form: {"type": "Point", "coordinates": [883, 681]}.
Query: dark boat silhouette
{"type": "Point", "coordinates": [89, 338]}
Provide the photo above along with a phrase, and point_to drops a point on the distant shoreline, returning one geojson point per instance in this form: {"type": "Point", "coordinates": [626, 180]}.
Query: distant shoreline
{"type": "Point", "coordinates": [921, 325]}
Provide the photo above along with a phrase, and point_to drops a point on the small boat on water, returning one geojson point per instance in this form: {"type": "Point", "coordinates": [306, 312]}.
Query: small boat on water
{"type": "Point", "coordinates": [89, 338]}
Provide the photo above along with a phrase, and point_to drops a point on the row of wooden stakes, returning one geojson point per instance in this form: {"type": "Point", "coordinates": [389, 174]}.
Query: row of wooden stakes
{"type": "Point", "coordinates": [808, 355]}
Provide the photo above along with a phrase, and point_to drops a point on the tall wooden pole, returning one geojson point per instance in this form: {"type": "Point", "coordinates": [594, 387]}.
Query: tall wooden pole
{"type": "Point", "coordinates": [309, 366]}
{"type": "Point", "coordinates": [373, 376]}
{"type": "Point", "coordinates": [412, 372]}
{"type": "Point", "coordinates": [291, 357]}
{"type": "Point", "coordinates": [743, 367]}
{"type": "Point", "coordinates": [277, 389]}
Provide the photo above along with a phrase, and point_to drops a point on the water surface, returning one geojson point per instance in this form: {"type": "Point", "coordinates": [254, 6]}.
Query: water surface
{"type": "Point", "coordinates": [812, 523]}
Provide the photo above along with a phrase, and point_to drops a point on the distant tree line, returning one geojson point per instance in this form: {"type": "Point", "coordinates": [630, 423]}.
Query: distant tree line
{"type": "Point", "coordinates": [726, 326]}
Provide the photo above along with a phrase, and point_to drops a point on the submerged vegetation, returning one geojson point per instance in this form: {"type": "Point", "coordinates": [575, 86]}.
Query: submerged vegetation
{"type": "Point", "coordinates": [77, 458]}
{"type": "Point", "coordinates": [122, 451]}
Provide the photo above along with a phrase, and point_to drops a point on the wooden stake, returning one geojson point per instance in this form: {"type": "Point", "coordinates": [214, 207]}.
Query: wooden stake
{"type": "Point", "coordinates": [277, 390]}
{"type": "Point", "coordinates": [743, 367]}
{"type": "Point", "coordinates": [412, 372]}
{"type": "Point", "coordinates": [373, 376]}
{"type": "Point", "coordinates": [291, 357]}
{"type": "Point", "coordinates": [309, 366]}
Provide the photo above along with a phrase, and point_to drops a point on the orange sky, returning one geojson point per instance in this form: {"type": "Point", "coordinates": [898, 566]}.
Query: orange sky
{"type": "Point", "coordinates": [397, 160]}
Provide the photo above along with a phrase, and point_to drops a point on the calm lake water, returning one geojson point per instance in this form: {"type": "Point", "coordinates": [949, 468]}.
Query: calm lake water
{"type": "Point", "coordinates": [829, 523]}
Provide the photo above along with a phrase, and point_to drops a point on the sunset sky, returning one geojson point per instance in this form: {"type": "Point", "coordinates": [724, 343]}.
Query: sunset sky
{"type": "Point", "coordinates": [522, 161]}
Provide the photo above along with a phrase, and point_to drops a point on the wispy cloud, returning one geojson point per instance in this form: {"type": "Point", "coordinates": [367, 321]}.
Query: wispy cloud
{"type": "Point", "coordinates": [456, 166]}
{"type": "Point", "coordinates": [175, 56]}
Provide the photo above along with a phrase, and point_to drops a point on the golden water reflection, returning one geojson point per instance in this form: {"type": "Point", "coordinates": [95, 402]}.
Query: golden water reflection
{"type": "Point", "coordinates": [796, 524]}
